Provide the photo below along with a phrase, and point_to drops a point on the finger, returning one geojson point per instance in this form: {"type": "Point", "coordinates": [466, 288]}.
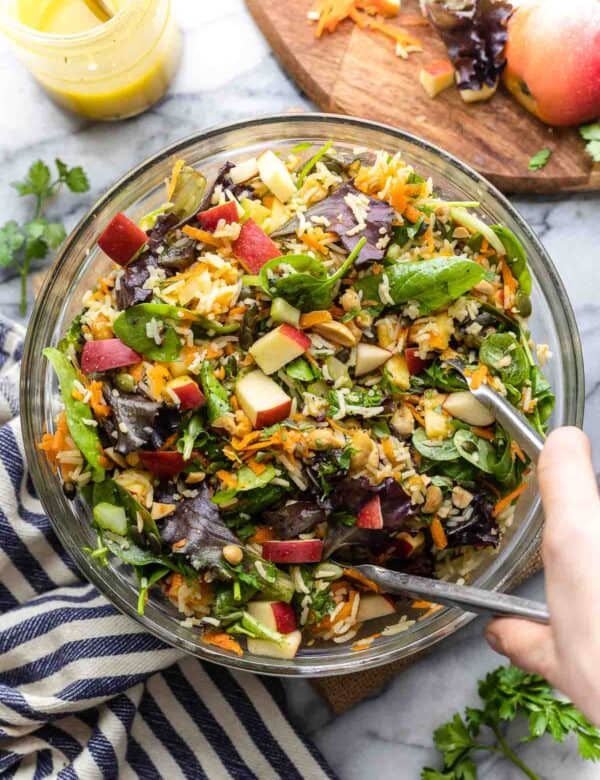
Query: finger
{"type": "Point", "coordinates": [528, 645]}
{"type": "Point", "coordinates": [571, 544]}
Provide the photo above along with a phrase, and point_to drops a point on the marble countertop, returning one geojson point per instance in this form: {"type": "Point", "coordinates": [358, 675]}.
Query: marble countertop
{"type": "Point", "coordinates": [389, 736]}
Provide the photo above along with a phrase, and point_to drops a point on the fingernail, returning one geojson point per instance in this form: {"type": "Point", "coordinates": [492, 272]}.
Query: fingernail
{"type": "Point", "coordinates": [494, 641]}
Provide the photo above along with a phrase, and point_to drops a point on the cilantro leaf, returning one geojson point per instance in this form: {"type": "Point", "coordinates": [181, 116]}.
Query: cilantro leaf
{"type": "Point", "coordinates": [11, 240]}
{"type": "Point", "coordinates": [77, 180]}
{"type": "Point", "coordinates": [539, 159]}
{"type": "Point", "coordinates": [54, 234]}
{"type": "Point", "coordinates": [37, 181]}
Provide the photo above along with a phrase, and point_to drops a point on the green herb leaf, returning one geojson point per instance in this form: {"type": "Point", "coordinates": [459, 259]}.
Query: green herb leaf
{"type": "Point", "coordinates": [475, 450]}
{"type": "Point", "coordinates": [131, 327]}
{"type": "Point", "coordinates": [539, 159]}
{"type": "Point", "coordinates": [591, 134]}
{"type": "Point", "coordinates": [37, 181]}
{"type": "Point", "coordinates": [11, 240]}
{"type": "Point", "coordinates": [77, 180]}
{"type": "Point", "coordinates": [505, 356]}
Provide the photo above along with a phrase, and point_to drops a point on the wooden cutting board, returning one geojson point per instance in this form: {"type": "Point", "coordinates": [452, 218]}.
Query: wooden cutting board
{"type": "Point", "coordinates": [357, 72]}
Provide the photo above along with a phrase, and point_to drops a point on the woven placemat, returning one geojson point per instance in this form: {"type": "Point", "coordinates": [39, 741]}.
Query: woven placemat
{"type": "Point", "coordinates": [346, 690]}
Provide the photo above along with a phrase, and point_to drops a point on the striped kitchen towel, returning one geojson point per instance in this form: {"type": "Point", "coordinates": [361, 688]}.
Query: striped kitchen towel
{"type": "Point", "coordinates": [84, 691]}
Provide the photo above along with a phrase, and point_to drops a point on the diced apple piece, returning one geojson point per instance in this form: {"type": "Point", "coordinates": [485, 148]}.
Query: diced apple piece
{"type": "Point", "coordinates": [436, 76]}
{"type": "Point", "coordinates": [293, 551]}
{"type": "Point", "coordinates": [370, 515]}
{"type": "Point", "coordinates": [414, 363]}
{"type": "Point", "coordinates": [210, 219]}
{"type": "Point", "coordinates": [286, 650]}
{"type": "Point", "coordinates": [464, 406]}
{"type": "Point", "coordinates": [432, 332]}
{"type": "Point", "coordinates": [263, 401]}
{"type": "Point", "coordinates": [276, 615]}
{"type": "Point", "coordinates": [276, 176]}
{"type": "Point", "coordinates": [187, 391]}
{"type": "Point", "coordinates": [408, 544]}
{"type": "Point", "coordinates": [374, 605]}
{"type": "Point", "coordinates": [122, 239]}
{"type": "Point", "coordinates": [254, 247]}
{"type": "Point", "coordinates": [244, 171]}
{"type": "Point", "coordinates": [163, 465]}
{"type": "Point", "coordinates": [279, 347]}
{"type": "Point", "coordinates": [476, 95]}
{"type": "Point", "coordinates": [282, 311]}
{"type": "Point", "coordinates": [369, 357]}
{"type": "Point", "coordinates": [106, 354]}
{"type": "Point", "coordinates": [397, 373]}
{"type": "Point", "coordinates": [437, 423]}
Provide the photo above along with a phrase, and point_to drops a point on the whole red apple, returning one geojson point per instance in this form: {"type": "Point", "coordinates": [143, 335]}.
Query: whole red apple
{"type": "Point", "coordinates": [553, 59]}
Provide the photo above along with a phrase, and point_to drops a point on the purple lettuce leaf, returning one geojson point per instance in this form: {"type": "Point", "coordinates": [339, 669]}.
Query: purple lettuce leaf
{"type": "Point", "coordinates": [378, 221]}
{"type": "Point", "coordinates": [132, 424]}
{"type": "Point", "coordinates": [294, 518]}
{"type": "Point", "coordinates": [480, 529]}
{"type": "Point", "coordinates": [199, 532]}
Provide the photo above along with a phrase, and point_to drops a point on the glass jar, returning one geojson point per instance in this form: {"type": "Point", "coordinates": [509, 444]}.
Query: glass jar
{"type": "Point", "coordinates": [80, 263]}
{"type": "Point", "coordinates": [113, 70]}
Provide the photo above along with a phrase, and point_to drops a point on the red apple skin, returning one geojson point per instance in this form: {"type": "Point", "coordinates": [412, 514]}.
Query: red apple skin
{"type": "Point", "coordinates": [414, 363]}
{"type": "Point", "coordinates": [163, 465]}
{"type": "Point", "coordinates": [106, 354]}
{"type": "Point", "coordinates": [267, 417]}
{"type": "Point", "coordinates": [254, 247]}
{"type": "Point", "coordinates": [210, 219]}
{"type": "Point", "coordinates": [190, 396]}
{"type": "Point", "coordinates": [553, 60]}
{"type": "Point", "coordinates": [294, 551]}
{"type": "Point", "coordinates": [292, 333]}
{"type": "Point", "coordinates": [122, 239]}
{"type": "Point", "coordinates": [370, 515]}
{"type": "Point", "coordinates": [285, 617]}
{"type": "Point", "coordinates": [407, 544]}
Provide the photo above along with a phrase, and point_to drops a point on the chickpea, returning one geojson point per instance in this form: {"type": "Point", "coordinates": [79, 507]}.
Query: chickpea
{"type": "Point", "coordinates": [350, 300]}
{"type": "Point", "coordinates": [402, 421]}
{"type": "Point", "coordinates": [433, 499]}
{"type": "Point", "coordinates": [366, 451]}
{"type": "Point", "coordinates": [325, 439]}
{"type": "Point", "coordinates": [461, 498]}
{"type": "Point", "coordinates": [233, 554]}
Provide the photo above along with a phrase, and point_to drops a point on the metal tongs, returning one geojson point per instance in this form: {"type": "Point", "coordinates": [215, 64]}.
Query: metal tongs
{"type": "Point", "coordinates": [465, 596]}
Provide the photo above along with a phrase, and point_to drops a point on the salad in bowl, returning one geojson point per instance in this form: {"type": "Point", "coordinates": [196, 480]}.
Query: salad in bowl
{"type": "Point", "coordinates": [257, 396]}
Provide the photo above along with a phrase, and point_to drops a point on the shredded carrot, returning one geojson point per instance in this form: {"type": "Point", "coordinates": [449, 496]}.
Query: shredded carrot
{"type": "Point", "coordinates": [411, 213]}
{"type": "Point", "coordinates": [367, 583]}
{"type": "Point", "coordinates": [256, 467]}
{"type": "Point", "coordinates": [418, 417]}
{"type": "Point", "coordinates": [53, 443]}
{"type": "Point", "coordinates": [365, 643]}
{"type": "Point", "coordinates": [262, 534]}
{"type": "Point", "coordinates": [310, 240]}
{"type": "Point", "coordinates": [505, 502]}
{"type": "Point", "coordinates": [234, 403]}
{"type": "Point", "coordinates": [388, 449]}
{"type": "Point", "coordinates": [479, 376]}
{"type": "Point", "coordinates": [219, 373]}
{"type": "Point", "coordinates": [177, 168]}
{"type": "Point", "coordinates": [241, 444]}
{"type": "Point", "coordinates": [174, 583]}
{"type": "Point", "coordinates": [97, 402]}
{"type": "Point", "coordinates": [484, 246]}
{"type": "Point", "coordinates": [484, 433]}
{"type": "Point", "coordinates": [158, 376]}
{"type": "Point", "coordinates": [237, 310]}
{"type": "Point", "coordinates": [224, 641]}
{"type": "Point", "coordinates": [137, 372]}
{"type": "Point", "coordinates": [201, 235]}
{"type": "Point", "coordinates": [227, 478]}
{"type": "Point", "coordinates": [516, 450]}
{"type": "Point", "coordinates": [314, 318]}
{"type": "Point", "coordinates": [510, 285]}
{"type": "Point", "coordinates": [422, 605]}
{"type": "Point", "coordinates": [169, 442]}
{"type": "Point", "coordinates": [213, 352]}
{"type": "Point", "coordinates": [438, 534]}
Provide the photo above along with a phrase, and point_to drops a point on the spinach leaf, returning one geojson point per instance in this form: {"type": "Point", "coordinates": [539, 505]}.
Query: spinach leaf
{"type": "Point", "coordinates": [438, 376]}
{"type": "Point", "coordinates": [494, 351]}
{"type": "Point", "coordinates": [80, 420]}
{"type": "Point", "coordinates": [437, 450]}
{"type": "Point", "coordinates": [433, 284]}
{"type": "Point", "coordinates": [254, 501]}
{"type": "Point", "coordinates": [309, 287]}
{"type": "Point", "coordinates": [217, 397]}
{"type": "Point", "coordinates": [545, 399]}
{"type": "Point", "coordinates": [131, 328]}
{"type": "Point", "coordinates": [131, 553]}
{"type": "Point", "coordinates": [515, 257]}
{"type": "Point", "coordinates": [475, 450]}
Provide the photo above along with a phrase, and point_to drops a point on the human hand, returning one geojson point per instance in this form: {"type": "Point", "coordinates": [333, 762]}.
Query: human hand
{"type": "Point", "coordinates": [567, 652]}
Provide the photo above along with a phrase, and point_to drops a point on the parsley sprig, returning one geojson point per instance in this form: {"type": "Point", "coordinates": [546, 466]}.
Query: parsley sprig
{"type": "Point", "coordinates": [20, 245]}
{"type": "Point", "coordinates": [591, 135]}
{"type": "Point", "coordinates": [508, 693]}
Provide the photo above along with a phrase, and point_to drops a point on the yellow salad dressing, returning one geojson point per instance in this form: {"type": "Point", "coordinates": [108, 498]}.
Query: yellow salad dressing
{"type": "Point", "coordinates": [108, 70]}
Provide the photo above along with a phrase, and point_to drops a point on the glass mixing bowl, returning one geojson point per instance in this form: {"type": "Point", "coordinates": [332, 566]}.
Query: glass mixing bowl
{"type": "Point", "coordinates": [80, 263]}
